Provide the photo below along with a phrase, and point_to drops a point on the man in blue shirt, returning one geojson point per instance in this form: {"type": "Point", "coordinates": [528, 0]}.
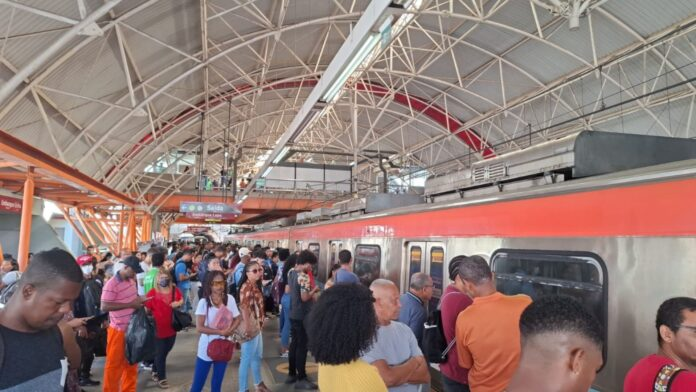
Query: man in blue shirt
{"type": "Point", "coordinates": [413, 303]}
{"type": "Point", "coordinates": [183, 278]}
{"type": "Point", "coordinates": [345, 273]}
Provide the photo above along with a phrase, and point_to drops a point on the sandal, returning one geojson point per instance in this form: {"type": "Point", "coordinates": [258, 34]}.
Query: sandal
{"type": "Point", "coordinates": [154, 377]}
{"type": "Point", "coordinates": [262, 388]}
{"type": "Point", "coordinates": [163, 384]}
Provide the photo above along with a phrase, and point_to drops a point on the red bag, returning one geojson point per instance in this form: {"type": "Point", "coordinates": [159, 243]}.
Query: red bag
{"type": "Point", "coordinates": [220, 350]}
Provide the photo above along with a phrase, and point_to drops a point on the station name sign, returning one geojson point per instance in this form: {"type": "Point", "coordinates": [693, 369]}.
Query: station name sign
{"type": "Point", "coordinates": [10, 204]}
{"type": "Point", "coordinates": [209, 211]}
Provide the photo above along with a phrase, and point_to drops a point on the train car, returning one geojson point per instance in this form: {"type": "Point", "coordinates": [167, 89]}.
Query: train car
{"type": "Point", "coordinates": [620, 244]}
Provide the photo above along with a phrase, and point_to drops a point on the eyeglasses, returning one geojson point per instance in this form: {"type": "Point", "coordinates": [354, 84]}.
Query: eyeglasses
{"type": "Point", "coordinates": [691, 327]}
{"type": "Point", "coordinates": [218, 283]}
{"type": "Point", "coordinates": [254, 271]}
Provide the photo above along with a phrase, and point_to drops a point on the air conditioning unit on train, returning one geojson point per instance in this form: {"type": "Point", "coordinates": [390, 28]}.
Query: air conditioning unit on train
{"type": "Point", "coordinates": [584, 154]}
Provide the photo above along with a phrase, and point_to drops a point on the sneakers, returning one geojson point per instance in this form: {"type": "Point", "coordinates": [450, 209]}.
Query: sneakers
{"type": "Point", "coordinates": [284, 354]}
{"type": "Point", "coordinates": [146, 366]}
{"type": "Point", "coordinates": [290, 379]}
{"type": "Point", "coordinates": [305, 384]}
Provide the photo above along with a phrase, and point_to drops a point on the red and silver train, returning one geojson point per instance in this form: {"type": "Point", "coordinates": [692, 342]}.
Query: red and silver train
{"type": "Point", "coordinates": [619, 243]}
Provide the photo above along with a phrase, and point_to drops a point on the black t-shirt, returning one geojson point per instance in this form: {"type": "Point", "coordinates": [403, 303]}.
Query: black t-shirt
{"type": "Point", "coordinates": [31, 361]}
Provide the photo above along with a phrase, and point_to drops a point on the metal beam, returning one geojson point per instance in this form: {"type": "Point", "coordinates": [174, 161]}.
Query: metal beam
{"type": "Point", "coordinates": [37, 62]}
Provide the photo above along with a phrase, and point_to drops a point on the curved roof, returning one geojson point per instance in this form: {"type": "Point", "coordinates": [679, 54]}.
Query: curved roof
{"type": "Point", "coordinates": [464, 80]}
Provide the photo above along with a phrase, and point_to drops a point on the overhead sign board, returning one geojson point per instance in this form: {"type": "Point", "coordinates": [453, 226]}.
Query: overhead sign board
{"type": "Point", "coordinates": [10, 204]}
{"type": "Point", "coordinates": [209, 211]}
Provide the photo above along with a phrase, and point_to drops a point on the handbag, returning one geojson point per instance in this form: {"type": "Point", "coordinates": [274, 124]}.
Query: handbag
{"type": "Point", "coordinates": [180, 320]}
{"type": "Point", "coordinates": [242, 334]}
{"type": "Point", "coordinates": [219, 349]}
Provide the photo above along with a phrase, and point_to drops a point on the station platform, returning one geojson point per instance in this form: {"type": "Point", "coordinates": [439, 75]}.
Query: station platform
{"type": "Point", "coordinates": [180, 365]}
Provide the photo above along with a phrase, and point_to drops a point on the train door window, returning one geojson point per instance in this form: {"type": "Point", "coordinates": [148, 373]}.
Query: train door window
{"type": "Point", "coordinates": [298, 245]}
{"type": "Point", "coordinates": [415, 260]}
{"type": "Point", "coordinates": [580, 275]}
{"type": "Point", "coordinates": [367, 263]}
{"type": "Point", "coordinates": [437, 262]}
{"type": "Point", "coordinates": [334, 250]}
{"type": "Point", "coordinates": [271, 244]}
{"type": "Point", "coordinates": [314, 248]}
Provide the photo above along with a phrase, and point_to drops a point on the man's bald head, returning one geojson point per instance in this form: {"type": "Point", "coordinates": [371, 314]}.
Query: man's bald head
{"type": "Point", "coordinates": [387, 305]}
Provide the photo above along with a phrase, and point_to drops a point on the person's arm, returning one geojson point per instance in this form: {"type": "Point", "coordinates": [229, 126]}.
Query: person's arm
{"type": "Point", "coordinates": [201, 328]}
{"type": "Point", "coordinates": [398, 374]}
{"type": "Point", "coordinates": [421, 375]}
{"type": "Point", "coordinates": [72, 349]}
{"type": "Point", "coordinates": [112, 306]}
{"type": "Point", "coordinates": [464, 357]}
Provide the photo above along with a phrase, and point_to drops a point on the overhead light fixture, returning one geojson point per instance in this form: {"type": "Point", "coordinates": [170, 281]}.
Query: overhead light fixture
{"type": "Point", "coordinates": [367, 47]}
{"type": "Point", "coordinates": [267, 172]}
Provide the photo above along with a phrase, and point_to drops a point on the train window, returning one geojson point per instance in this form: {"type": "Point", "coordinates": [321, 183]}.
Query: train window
{"type": "Point", "coordinates": [270, 244]}
{"type": "Point", "coordinates": [415, 259]}
{"type": "Point", "coordinates": [314, 248]}
{"type": "Point", "coordinates": [580, 275]}
{"type": "Point", "coordinates": [366, 263]}
{"type": "Point", "coordinates": [437, 262]}
{"type": "Point", "coordinates": [333, 253]}
{"type": "Point", "coordinates": [298, 245]}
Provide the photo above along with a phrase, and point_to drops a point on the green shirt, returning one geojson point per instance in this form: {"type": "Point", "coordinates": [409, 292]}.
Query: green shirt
{"type": "Point", "coordinates": [149, 281]}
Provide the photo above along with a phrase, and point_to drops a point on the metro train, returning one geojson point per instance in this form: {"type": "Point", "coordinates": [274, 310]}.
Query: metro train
{"type": "Point", "coordinates": [620, 243]}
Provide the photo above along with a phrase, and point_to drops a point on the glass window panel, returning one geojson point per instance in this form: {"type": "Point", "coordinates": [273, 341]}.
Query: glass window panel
{"type": "Point", "coordinates": [367, 263]}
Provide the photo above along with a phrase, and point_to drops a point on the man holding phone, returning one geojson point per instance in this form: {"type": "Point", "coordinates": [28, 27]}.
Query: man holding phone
{"type": "Point", "coordinates": [183, 278]}
{"type": "Point", "coordinates": [120, 298]}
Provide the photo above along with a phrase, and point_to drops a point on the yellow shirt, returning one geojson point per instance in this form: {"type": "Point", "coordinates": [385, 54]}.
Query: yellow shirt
{"type": "Point", "coordinates": [357, 376]}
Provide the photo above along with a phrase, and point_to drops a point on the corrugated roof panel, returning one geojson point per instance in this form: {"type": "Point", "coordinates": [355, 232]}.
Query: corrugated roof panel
{"type": "Point", "coordinates": [650, 16]}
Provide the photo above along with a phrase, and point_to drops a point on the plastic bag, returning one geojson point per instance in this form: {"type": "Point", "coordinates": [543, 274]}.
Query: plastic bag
{"type": "Point", "coordinates": [140, 337]}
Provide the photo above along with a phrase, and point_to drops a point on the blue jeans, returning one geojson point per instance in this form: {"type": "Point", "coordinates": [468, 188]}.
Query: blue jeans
{"type": "Point", "coordinates": [186, 293]}
{"type": "Point", "coordinates": [252, 352]}
{"type": "Point", "coordinates": [285, 321]}
{"type": "Point", "coordinates": [200, 375]}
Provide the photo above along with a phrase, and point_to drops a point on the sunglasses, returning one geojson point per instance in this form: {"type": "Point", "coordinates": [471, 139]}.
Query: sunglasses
{"type": "Point", "coordinates": [219, 283]}
{"type": "Point", "coordinates": [255, 270]}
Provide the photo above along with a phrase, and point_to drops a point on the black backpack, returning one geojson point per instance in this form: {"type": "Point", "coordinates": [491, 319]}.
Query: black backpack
{"type": "Point", "coordinates": [435, 345]}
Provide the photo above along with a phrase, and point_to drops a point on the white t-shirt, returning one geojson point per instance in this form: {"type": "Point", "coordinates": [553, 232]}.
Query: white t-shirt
{"type": "Point", "coordinates": [203, 310]}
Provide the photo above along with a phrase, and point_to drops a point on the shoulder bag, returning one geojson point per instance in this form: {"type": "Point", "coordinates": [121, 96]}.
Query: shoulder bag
{"type": "Point", "coordinates": [220, 349]}
{"type": "Point", "coordinates": [665, 377]}
{"type": "Point", "coordinates": [180, 320]}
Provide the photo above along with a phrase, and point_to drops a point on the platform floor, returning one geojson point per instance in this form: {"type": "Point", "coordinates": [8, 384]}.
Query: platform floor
{"type": "Point", "coordinates": [181, 360]}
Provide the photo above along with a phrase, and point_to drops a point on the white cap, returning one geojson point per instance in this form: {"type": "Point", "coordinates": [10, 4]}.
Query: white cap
{"type": "Point", "coordinates": [244, 252]}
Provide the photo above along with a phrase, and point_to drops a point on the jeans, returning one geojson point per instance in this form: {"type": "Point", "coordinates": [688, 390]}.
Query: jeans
{"type": "Point", "coordinates": [162, 349]}
{"type": "Point", "coordinates": [297, 357]}
{"type": "Point", "coordinates": [285, 320]}
{"type": "Point", "coordinates": [200, 375]}
{"type": "Point", "coordinates": [87, 355]}
{"type": "Point", "coordinates": [186, 293]}
{"type": "Point", "coordinates": [252, 351]}
{"type": "Point", "coordinates": [449, 385]}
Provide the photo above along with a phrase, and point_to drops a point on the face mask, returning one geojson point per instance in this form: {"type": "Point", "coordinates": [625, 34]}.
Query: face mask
{"type": "Point", "coordinates": [164, 282]}
{"type": "Point", "coordinates": [87, 269]}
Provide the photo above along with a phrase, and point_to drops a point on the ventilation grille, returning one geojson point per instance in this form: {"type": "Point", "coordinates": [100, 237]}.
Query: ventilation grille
{"type": "Point", "coordinates": [487, 173]}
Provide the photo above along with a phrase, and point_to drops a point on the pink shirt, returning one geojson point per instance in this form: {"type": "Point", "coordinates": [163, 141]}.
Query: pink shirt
{"type": "Point", "coordinates": [119, 291]}
{"type": "Point", "coordinates": [453, 302]}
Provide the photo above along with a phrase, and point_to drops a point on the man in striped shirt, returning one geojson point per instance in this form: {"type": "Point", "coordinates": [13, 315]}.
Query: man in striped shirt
{"type": "Point", "coordinates": [120, 298]}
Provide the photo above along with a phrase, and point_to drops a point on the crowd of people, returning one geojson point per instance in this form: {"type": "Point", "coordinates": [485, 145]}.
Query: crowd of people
{"type": "Point", "coordinates": [64, 311]}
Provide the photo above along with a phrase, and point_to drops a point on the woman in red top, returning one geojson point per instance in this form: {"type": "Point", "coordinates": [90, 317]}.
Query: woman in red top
{"type": "Point", "coordinates": [163, 297]}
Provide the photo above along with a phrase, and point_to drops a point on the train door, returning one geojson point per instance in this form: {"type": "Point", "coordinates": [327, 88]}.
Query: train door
{"type": "Point", "coordinates": [428, 257]}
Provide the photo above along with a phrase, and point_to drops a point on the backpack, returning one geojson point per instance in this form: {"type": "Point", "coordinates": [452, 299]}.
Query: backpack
{"type": "Point", "coordinates": [173, 272]}
{"type": "Point", "coordinates": [665, 377]}
{"type": "Point", "coordinates": [6, 293]}
{"type": "Point", "coordinates": [435, 345]}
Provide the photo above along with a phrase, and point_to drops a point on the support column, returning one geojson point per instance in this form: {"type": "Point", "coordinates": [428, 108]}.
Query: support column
{"type": "Point", "coordinates": [131, 243]}
{"type": "Point", "coordinates": [25, 225]}
{"type": "Point", "coordinates": [120, 241]}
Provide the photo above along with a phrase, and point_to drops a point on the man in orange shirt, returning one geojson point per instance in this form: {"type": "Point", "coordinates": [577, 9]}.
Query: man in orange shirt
{"type": "Point", "coordinates": [487, 332]}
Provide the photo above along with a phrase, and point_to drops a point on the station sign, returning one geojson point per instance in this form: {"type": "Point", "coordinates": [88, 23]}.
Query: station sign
{"type": "Point", "coordinates": [209, 211]}
{"type": "Point", "coordinates": [10, 204]}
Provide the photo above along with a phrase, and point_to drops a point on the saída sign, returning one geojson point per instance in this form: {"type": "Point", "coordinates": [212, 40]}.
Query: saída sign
{"type": "Point", "coordinates": [209, 211]}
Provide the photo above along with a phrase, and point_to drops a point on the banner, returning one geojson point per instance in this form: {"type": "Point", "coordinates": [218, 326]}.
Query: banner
{"type": "Point", "coordinates": [10, 204]}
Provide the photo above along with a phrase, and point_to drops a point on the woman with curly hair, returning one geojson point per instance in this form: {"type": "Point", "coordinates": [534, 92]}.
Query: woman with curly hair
{"type": "Point", "coordinates": [342, 325]}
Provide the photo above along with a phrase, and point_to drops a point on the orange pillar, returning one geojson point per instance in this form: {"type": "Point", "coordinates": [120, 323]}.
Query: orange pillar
{"type": "Point", "coordinates": [147, 228]}
{"type": "Point", "coordinates": [121, 217]}
{"type": "Point", "coordinates": [25, 225]}
{"type": "Point", "coordinates": [131, 243]}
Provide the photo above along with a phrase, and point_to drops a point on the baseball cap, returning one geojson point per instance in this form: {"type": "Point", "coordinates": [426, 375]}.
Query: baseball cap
{"type": "Point", "coordinates": [244, 252]}
{"type": "Point", "coordinates": [133, 262]}
{"type": "Point", "coordinates": [84, 259]}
